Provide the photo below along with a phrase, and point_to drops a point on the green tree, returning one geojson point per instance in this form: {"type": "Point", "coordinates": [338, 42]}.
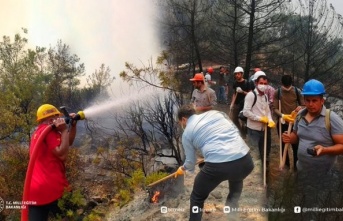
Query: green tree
{"type": "Point", "coordinates": [21, 86]}
{"type": "Point", "coordinates": [64, 69]}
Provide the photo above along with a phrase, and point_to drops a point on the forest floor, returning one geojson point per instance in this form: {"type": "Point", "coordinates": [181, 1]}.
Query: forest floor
{"type": "Point", "coordinates": [253, 201]}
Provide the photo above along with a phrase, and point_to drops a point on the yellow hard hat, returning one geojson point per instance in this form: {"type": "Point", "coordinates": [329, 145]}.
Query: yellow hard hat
{"type": "Point", "coordinates": [47, 110]}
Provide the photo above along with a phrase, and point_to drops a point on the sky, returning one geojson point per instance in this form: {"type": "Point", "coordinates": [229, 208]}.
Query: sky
{"type": "Point", "coordinates": [106, 31]}
{"type": "Point", "coordinates": [338, 5]}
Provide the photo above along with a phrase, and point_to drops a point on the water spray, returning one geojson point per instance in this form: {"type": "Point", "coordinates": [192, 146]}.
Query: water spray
{"type": "Point", "coordinates": [99, 109]}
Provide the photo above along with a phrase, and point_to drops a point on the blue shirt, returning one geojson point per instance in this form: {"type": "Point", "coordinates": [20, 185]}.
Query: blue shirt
{"type": "Point", "coordinates": [215, 135]}
{"type": "Point", "coordinates": [316, 133]}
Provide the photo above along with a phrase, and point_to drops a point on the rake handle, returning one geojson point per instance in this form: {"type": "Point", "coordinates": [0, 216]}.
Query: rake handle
{"type": "Point", "coordinates": [282, 165]}
{"type": "Point", "coordinates": [170, 176]}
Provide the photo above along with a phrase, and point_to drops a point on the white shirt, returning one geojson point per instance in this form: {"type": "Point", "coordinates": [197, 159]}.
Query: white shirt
{"type": "Point", "coordinates": [254, 114]}
{"type": "Point", "coordinates": [207, 79]}
{"type": "Point", "coordinates": [215, 135]}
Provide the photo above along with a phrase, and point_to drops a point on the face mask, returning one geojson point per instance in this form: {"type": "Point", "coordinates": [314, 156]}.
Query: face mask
{"type": "Point", "coordinates": [261, 87]}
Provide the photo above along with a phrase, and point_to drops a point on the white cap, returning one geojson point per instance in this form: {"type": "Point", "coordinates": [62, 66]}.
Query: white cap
{"type": "Point", "coordinates": [238, 69]}
{"type": "Point", "coordinates": [257, 74]}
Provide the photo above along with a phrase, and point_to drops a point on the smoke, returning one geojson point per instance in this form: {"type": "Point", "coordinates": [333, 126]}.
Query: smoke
{"type": "Point", "coordinates": [109, 32]}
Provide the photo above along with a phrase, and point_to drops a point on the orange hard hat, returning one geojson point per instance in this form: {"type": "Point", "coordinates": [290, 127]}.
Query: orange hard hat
{"type": "Point", "coordinates": [197, 77]}
{"type": "Point", "coordinates": [210, 70]}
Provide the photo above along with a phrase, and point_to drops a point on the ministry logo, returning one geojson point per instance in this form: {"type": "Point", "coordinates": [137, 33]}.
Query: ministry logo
{"type": "Point", "coordinates": [2, 204]}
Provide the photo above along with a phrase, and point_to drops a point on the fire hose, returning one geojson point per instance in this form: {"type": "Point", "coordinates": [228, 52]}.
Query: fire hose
{"type": "Point", "coordinates": [37, 148]}
{"type": "Point", "coordinates": [171, 175]}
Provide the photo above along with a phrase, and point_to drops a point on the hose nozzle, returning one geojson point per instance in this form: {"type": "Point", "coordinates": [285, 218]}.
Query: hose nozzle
{"type": "Point", "coordinates": [79, 116]}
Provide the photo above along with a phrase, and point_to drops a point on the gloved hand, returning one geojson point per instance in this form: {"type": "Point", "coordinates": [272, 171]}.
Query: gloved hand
{"type": "Point", "coordinates": [231, 107]}
{"type": "Point", "coordinates": [239, 90]}
{"type": "Point", "coordinates": [264, 119]}
{"type": "Point", "coordinates": [294, 114]}
{"type": "Point", "coordinates": [289, 117]}
{"type": "Point", "coordinates": [271, 124]}
{"type": "Point", "coordinates": [282, 120]}
{"type": "Point", "coordinates": [179, 171]}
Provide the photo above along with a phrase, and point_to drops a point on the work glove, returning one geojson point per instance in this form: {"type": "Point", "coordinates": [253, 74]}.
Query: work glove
{"type": "Point", "coordinates": [239, 90]}
{"type": "Point", "coordinates": [289, 117]}
{"type": "Point", "coordinates": [264, 119]}
{"type": "Point", "coordinates": [271, 124]}
{"type": "Point", "coordinates": [282, 120]}
{"type": "Point", "coordinates": [179, 171]}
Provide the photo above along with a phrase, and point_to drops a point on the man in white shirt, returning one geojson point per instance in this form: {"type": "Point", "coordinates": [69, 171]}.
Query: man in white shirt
{"type": "Point", "coordinates": [256, 109]}
{"type": "Point", "coordinates": [226, 155]}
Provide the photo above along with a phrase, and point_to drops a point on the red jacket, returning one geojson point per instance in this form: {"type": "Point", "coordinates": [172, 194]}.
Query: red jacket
{"type": "Point", "coordinates": [48, 177]}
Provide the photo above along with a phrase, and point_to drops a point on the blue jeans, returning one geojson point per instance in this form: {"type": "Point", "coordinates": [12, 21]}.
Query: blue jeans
{"type": "Point", "coordinates": [221, 94]}
{"type": "Point", "coordinates": [211, 175]}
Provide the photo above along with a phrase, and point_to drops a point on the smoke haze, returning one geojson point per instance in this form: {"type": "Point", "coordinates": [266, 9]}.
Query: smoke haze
{"type": "Point", "coordinates": [109, 32]}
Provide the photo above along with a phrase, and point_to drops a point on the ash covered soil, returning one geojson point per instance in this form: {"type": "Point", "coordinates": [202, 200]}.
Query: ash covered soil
{"type": "Point", "coordinates": [252, 200]}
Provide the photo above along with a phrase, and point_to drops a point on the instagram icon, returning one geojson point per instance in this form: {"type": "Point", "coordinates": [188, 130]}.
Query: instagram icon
{"type": "Point", "coordinates": [164, 209]}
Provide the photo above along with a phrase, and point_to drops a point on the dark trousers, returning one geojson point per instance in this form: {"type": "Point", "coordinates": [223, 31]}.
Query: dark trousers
{"type": "Point", "coordinates": [41, 213]}
{"type": "Point", "coordinates": [211, 175]}
{"type": "Point", "coordinates": [239, 124]}
{"type": "Point", "coordinates": [284, 127]}
{"type": "Point", "coordinates": [256, 138]}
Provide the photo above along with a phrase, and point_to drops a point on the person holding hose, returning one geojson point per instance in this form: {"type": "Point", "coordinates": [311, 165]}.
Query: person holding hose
{"type": "Point", "coordinates": [226, 156]}
{"type": "Point", "coordinates": [48, 181]}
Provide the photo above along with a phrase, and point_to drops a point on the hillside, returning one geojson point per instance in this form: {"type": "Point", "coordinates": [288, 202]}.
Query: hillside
{"type": "Point", "coordinates": [253, 199]}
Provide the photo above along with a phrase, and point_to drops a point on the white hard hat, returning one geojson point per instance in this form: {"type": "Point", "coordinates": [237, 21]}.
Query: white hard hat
{"type": "Point", "coordinates": [257, 74]}
{"type": "Point", "coordinates": [238, 69]}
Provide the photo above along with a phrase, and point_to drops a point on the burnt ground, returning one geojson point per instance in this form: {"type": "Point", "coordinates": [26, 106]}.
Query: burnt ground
{"type": "Point", "coordinates": [252, 201]}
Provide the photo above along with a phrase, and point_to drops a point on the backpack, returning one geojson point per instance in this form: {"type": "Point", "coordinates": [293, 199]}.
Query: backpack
{"type": "Point", "coordinates": [240, 114]}
{"type": "Point", "coordinates": [251, 83]}
{"type": "Point", "coordinates": [247, 87]}
{"type": "Point", "coordinates": [327, 120]}
{"type": "Point", "coordinates": [296, 92]}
